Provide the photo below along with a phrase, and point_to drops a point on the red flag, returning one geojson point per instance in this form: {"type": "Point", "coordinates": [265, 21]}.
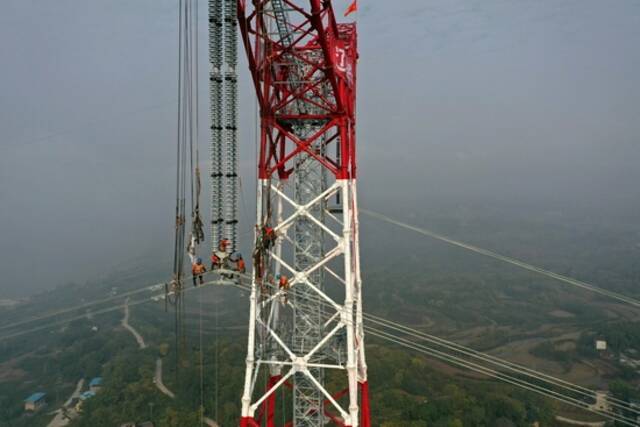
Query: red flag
{"type": "Point", "coordinates": [352, 8]}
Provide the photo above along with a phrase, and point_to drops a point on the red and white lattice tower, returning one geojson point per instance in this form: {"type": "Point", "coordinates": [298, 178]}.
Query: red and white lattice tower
{"type": "Point", "coordinates": [306, 340]}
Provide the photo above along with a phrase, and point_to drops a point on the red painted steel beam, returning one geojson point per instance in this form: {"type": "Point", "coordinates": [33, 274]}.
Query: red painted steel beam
{"type": "Point", "coordinates": [327, 51]}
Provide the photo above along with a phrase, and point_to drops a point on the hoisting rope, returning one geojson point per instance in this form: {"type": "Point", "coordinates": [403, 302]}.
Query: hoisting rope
{"type": "Point", "coordinates": [178, 256]}
{"type": "Point", "coordinates": [187, 170]}
{"type": "Point", "coordinates": [197, 226]}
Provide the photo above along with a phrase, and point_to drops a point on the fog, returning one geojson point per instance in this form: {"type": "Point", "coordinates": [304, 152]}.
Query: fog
{"type": "Point", "coordinates": [528, 103]}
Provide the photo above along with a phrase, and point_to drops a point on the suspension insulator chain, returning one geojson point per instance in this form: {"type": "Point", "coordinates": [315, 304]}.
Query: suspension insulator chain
{"type": "Point", "coordinates": [223, 56]}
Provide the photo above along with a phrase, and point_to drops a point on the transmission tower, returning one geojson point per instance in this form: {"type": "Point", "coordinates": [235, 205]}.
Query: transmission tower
{"type": "Point", "coordinates": [305, 328]}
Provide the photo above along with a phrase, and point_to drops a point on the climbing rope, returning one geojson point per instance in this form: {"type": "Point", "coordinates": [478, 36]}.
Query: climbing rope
{"type": "Point", "coordinates": [216, 362]}
{"type": "Point", "coordinates": [188, 183]}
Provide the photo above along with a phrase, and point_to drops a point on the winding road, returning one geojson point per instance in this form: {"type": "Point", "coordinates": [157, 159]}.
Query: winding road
{"type": "Point", "coordinates": [157, 379]}
{"type": "Point", "coordinates": [128, 327]}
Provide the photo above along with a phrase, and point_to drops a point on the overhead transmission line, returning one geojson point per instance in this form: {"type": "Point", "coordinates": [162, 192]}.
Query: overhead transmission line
{"type": "Point", "coordinates": [544, 391]}
{"type": "Point", "coordinates": [379, 216]}
{"type": "Point", "coordinates": [513, 261]}
{"type": "Point", "coordinates": [396, 337]}
{"type": "Point", "coordinates": [101, 311]}
{"type": "Point", "coordinates": [532, 385]}
{"type": "Point", "coordinates": [369, 317]}
{"type": "Point", "coordinates": [78, 307]}
{"type": "Point", "coordinates": [403, 329]}
{"type": "Point", "coordinates": [145, 288]}
{"type": "Point", "coordinates": [467, 351]}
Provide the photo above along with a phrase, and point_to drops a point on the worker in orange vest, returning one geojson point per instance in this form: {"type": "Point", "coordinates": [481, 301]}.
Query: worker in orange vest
{"type": "Point", "coordinates": [215, 261]}
{"type": "Point", "coordinates": [240, 265]}
{"type": "Point", "coordinates": [198, 269]}
{"type": "Point", "coordinates": [283, 285]}
{"type": "Point", "coordinates": [269, 237]}
{"type": "Point", "coordinates": [219, 258]}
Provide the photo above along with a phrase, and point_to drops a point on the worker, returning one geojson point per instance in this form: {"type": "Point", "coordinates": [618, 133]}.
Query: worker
{"type": "Point", "coordinates": [283, 285]}
{"type": "Point", "coordinates": [283, 281]}
{"type": "Point", "coordinates": [269, 237]}
{"type": "Point", "coordinates": [198, 269]}
{"type": "Point", "coordinates": [240, 265]}
{"type": "Point", "coordinates": [219, 258]}
{"type": "Point", "coordinates": [257, 262]}
{"type": "Point", "coordinates": [215, 261]}
{"type": "Point", "coordinates": [191, 249]}
{"type": "Point", "coordinates": [173, 286]}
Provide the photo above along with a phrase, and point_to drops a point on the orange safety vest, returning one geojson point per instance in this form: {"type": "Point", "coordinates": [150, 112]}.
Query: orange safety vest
{"type": "Point", "coordinates": [240, 265]}
{"type": "Point", "coordinates": [284, 282]}
{"type": "Point", "coordinates": [198, 269]}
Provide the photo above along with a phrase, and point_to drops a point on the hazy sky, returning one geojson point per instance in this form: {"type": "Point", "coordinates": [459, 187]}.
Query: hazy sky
{"type": "Point", "coordinates": [512, 100]}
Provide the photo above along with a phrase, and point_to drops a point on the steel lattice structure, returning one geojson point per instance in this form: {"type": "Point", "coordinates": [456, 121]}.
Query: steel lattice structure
{"type": "Point", "coordinates": [303, 65]}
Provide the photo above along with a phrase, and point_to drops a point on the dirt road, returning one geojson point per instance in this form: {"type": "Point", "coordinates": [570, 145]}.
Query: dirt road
{"type": "Point", "coordinates": [157, 379]}
{"type": "Point", "coordinates": [128, 327]}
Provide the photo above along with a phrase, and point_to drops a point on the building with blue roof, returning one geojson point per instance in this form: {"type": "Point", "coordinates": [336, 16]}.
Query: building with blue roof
{"type": "Point", "coordinates": [35, 402]}
{"type": "Point", "coordinates": [96, 384]}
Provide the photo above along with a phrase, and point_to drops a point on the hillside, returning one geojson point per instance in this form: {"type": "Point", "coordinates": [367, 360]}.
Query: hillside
{"type": "Point", "coordinates": [439, 289]}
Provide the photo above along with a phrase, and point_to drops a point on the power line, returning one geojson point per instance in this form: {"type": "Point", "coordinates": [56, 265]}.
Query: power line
{"type": "Point", "coordinates": [368, 317]}
{"type": "Point", "coordinates": [573, 388]}
{"type": "Point", "coordinates": [502, 376]}
{"type": "Point", "coordinates": [528, 385]}
{"type": "Point", "coordinates": [418, 334]}
{"type": "Point", "coordinates": [102, 311]}
{"type": "Point", "coordinates": [145, 288]}
{"type": "Point", "coordinates": [513, 261]}
{"type": "Point", "coordinates": [494, 360]}
{"type": "Point", "coordinates": [78, 307]}
{"type": "Point", "coordinates": [485, 252]}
